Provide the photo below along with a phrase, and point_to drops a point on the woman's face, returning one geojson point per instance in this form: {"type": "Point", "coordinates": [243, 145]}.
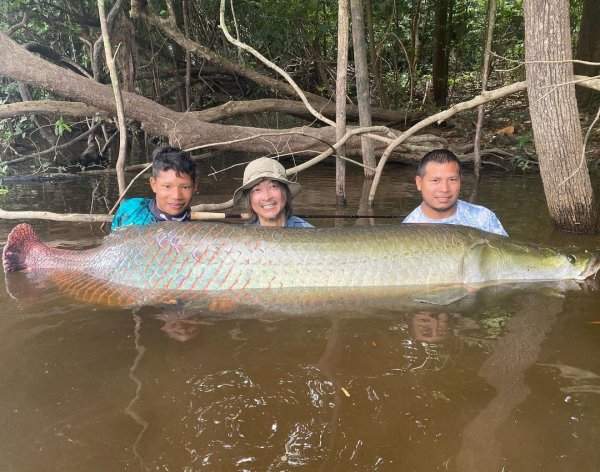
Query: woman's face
{"type": "Point", "coordinates": [268, 200]}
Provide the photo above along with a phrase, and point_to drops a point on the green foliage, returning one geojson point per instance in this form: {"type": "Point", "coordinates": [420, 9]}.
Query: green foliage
{"type": "Point", "coordinates": [61, 126]}
{"type": "Point", "coordinates": [13, 129]}
{"type": "Point", "coordinates": [523, 161]}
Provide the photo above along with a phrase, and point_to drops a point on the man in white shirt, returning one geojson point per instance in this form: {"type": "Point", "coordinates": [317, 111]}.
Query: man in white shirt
{"type": "Point", "coordinates": [438, 179]}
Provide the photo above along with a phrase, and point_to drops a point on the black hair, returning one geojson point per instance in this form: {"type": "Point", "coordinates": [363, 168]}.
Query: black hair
{"type": "Point", "coordinates": [171, 158]}
{"type": "Point", "coordinates": [440, 156]}
{"type": "Point", "coordinates": [288, 201]}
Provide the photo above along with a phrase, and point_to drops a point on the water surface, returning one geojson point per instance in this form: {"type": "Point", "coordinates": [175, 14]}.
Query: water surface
{"type": "Point", "coordinates": [508, 380]}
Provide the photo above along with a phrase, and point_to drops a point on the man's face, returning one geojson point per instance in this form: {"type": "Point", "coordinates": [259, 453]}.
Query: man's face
{"type": "Point", "coordinates": [439, 187]}
{"type": "Point", "coordinates": [173, 192]}
{"type": "Point", "coordinates": [429, 327]}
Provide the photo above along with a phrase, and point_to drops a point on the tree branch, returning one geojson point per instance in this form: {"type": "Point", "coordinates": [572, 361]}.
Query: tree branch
{"type": "Point", "coordinates": [49, 108]}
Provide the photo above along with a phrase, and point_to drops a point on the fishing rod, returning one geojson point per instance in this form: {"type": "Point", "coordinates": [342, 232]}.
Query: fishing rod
{"type": "Point", "coordinates": [209, 215]}
{"type": "Point", "coordinates": [195, 215]}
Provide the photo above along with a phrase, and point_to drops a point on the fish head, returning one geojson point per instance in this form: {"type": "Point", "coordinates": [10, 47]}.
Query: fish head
{"type": "Point", "coordinates": [510, 260]}
{"type": "Point", "coordinates": [590, 260]}
{"type": "Point", "coordinates": [570, 264]}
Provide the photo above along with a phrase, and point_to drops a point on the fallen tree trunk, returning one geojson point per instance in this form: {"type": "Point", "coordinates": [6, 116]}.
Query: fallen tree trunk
{"type": "Point", "coordinates": [186, 130]}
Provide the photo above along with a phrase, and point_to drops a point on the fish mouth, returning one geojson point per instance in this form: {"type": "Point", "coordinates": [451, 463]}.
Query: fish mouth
{"type": "Point", "coordinates": [592, 268]}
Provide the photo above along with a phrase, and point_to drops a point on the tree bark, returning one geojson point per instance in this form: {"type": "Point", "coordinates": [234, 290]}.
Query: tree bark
{"type": "Point", "coordinates": [362, 81]}
{"type": "Point", "coordinates": [588, 48]}
{"type": "Point", "coordinates": [340, 99]}
{"type": "Point", "coordinates": [440, 53]}
{"type": "Point", "coordinates": [555, 118]}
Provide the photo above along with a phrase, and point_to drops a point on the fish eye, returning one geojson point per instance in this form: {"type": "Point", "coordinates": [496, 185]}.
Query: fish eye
{"type": "Point", "coordinates": [571, 258]}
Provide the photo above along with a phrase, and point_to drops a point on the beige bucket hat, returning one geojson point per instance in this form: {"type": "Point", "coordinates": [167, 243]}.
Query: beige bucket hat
{"type": "Point", "coordinates": [264, 168]}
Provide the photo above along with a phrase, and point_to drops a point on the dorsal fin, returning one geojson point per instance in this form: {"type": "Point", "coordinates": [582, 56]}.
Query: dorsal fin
{"type": "Point", "coordinates": [20, 241]}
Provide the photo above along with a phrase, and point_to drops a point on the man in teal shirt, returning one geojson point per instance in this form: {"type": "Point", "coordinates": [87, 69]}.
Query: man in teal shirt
{"type": "Point", "coordinates": [172, 181]}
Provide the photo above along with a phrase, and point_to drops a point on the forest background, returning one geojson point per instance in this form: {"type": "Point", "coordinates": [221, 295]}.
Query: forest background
{"type": "Point", "coordinates": [491, 79]}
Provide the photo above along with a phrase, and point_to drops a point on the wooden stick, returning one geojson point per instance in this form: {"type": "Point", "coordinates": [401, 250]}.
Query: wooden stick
{"type": "Point", "coordinates": [196, 216]}
{"type": "Point", "coordinates": [47, 215]}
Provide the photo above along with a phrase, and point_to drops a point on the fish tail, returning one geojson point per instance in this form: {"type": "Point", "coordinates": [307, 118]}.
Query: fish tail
{"type": "Point", "coordinates": [21, 240]}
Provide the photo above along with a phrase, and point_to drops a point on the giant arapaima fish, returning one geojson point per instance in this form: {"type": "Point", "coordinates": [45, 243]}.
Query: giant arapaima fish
{"type": "Point", "coordinates": [178, 262]}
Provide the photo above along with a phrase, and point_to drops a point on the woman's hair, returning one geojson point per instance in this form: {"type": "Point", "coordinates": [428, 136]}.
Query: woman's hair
{"type": "Point", "coordinates": [171, 158]}
{"type": "Point", "coordinates": [288, 200]}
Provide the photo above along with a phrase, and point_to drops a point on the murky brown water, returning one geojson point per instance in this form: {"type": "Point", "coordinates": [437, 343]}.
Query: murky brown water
{"type": "Point", "coordinates": [508, 381]}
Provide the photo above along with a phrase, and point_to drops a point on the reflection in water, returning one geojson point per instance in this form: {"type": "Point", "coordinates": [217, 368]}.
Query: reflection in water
{"type": "Point", "coordinates": [129, 410]}
{"type": "Point", "coordinates": [429, 327]}
{"type": "Point", "coordinates": [425, 348]}
{"type": "Point", "coordinates": [181, 330]}
{"type": "Point", "coordinates": [504, 370]}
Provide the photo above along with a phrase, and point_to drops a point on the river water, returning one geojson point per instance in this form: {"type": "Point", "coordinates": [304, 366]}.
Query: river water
{"type": "Point", "coordinates": [507, 382]}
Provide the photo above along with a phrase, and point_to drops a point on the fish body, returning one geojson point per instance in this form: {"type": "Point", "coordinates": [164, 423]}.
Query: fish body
{"type": "Point", "coordinates": [140, 264]}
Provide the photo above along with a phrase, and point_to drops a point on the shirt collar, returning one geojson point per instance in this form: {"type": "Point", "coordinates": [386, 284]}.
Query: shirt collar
{"type": "Point", "coordinates": [161, 216]}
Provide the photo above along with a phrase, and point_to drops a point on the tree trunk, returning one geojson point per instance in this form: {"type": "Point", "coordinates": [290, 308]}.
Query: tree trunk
{"type": "Point", "coordinates": [440, 53]}
{"type": "Point", "coordinates": [554, 116]}
{"type": "Point", "coordinates": [362, 81]}
{"type": "Point", "coordinates": [114, 78]}
{"type": "Point", "coordinates": [487, 47]}
{"type": "Point", "coordinates": [340, 99]}
{"type": "Point", "coordinates": [588, 49]}
{"type": "Point", "coordinates": [378, 92]}
{"type": "Point", "coordinates": [415, 39]}
{"type": "Point", "coordinates": [124, 37]}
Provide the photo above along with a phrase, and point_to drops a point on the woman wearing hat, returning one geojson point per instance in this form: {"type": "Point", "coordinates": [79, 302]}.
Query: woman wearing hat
{"type": "Point", "coordinates": [268, 194]}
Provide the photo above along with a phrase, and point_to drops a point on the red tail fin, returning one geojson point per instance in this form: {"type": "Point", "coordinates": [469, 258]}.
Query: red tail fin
{"type": "Point", "coordinates": [20, 241]}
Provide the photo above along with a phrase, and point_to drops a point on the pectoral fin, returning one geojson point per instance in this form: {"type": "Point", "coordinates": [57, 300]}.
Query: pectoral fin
{"type": "Point", "coordinates": [443, 297]}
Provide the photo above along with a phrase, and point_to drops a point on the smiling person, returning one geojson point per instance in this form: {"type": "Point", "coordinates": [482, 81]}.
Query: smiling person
{"type": "Point", "coordinates": [268, 195]}
{"type": "Point", "coordinates": [172, 181]}
{"type": "Point", "coordinates": [439, 179]}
